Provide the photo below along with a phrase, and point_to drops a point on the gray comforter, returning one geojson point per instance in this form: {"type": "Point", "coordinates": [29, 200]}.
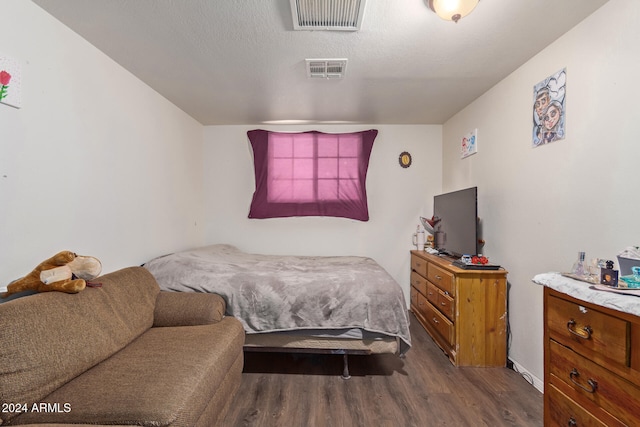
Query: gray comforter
{"type": "Point", "coordinates": [272, 293]}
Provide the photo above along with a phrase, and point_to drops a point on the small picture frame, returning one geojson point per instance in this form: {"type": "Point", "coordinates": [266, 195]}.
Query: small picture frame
{"type": "Point", "coordinates": [405, 159]}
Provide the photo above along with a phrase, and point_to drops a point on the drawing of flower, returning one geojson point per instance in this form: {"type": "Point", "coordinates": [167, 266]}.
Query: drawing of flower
{"type": "Point", "coordinates": [5, 78]}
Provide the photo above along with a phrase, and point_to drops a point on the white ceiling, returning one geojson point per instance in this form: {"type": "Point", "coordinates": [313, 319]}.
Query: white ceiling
{"type": "Point", "coordinates": [240, 62]}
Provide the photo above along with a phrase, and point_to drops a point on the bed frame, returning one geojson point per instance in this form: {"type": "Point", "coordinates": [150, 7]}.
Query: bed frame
{"type": "Point", "coordinates": [279, 343]}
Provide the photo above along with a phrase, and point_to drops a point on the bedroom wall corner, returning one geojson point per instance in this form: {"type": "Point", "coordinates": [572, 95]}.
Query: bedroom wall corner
{"type": "Point", "coordinates": [95, 161]}
{"type": "Point", "coordinates": [397, 197]}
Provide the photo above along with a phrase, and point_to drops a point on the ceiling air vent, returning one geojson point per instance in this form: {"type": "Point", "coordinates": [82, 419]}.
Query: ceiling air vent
{"type": "Point", "coordinates": [326, 68]}
{"type": "Point", "coordinates": [335, 15]}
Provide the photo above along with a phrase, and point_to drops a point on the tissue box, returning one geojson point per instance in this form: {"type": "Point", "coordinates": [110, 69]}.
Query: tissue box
{"type": "Point", "coordinates": [626, 264]}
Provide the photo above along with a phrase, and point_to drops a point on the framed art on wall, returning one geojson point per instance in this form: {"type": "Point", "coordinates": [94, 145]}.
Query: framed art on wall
{"type": "Point", "coordinates": [469, 144]}
{"type": "Point", "coordinates": [10, 82]}
{"type": "Point", "coordinates": [549, 97]}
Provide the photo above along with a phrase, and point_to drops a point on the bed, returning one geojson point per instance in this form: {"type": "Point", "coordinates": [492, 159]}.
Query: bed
{"type": "Point", "coordinates": [340, 305]}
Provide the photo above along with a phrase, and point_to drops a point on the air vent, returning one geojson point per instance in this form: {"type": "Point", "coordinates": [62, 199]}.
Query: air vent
{"type": "Point", "coordinates": [334, 15]}
{"type": "Point", "coordinates": [326, 68]}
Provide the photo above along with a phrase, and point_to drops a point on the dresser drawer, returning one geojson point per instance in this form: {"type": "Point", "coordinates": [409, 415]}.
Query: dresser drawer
{"type": "Point", "coordinates": [419, 282]}
{"type": "Point", "coordinates": [413, 294]}
{"type": "Point", "coordinates": [441, 278]}
{"type": "Point", "coordinates": [422, 305]}
{"type": "Point", "coordinates": [419, 265]}
{"type": "Point", "coordinates": [590, 381]}
{"type": "Point", "coordinates": [588, 331]}
{"type": "Point", "coordinates": [432, 293]}
{"type": "Point", "coordinates": [446, 305]}
{"type": "Point", "coordinates": [440, 323]}
{"type": "Point", "coordinates": [441, 300]}
{"type": "Point", "coordinates": [565, 412]}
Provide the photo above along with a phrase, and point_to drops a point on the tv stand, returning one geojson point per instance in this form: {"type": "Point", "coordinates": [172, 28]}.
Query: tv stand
{"type": "Point", "coordinates": [464, 311]}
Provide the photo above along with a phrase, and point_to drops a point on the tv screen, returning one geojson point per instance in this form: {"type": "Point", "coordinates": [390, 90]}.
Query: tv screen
{"type": "Point", "coordinates": [458, 213]}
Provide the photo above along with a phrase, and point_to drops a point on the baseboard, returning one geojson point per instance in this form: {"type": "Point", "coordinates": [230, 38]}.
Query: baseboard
{"type": "Point", "coordinates": [528, 376]}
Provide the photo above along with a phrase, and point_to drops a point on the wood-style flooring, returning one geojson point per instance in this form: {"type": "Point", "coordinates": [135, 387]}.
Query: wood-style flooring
{"type": "Point", "coordinates": [423, 389]}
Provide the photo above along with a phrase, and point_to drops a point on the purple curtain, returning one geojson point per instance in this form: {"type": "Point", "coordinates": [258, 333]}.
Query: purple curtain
{"type": "Point", "coordinates": [310, 174]}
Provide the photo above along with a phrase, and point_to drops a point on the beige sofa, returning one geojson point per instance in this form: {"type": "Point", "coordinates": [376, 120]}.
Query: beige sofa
{"type": "Point", "coordinates": [124, 353]}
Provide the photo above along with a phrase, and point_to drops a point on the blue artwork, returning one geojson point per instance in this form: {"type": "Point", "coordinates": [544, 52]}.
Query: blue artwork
{"type": "Point", "coordinates": [470, 144]}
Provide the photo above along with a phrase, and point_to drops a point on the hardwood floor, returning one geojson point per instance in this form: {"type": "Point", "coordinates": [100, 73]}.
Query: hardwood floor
{"type": "Point", "coordinates": [423, 389]}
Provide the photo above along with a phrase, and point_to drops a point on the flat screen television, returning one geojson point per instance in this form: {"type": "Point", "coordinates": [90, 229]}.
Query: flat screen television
{"type": "Point", "coordinates": [458, 214]}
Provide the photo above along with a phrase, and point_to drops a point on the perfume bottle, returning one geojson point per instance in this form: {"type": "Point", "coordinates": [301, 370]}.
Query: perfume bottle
{"type": "Point", "coordinates": [578, 266]}
{"type": "Point", "coordinates": [609, 276]}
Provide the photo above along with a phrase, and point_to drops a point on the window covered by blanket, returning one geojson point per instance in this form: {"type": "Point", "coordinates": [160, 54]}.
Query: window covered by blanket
{"type": "Point", "coordinates": [310, 174]}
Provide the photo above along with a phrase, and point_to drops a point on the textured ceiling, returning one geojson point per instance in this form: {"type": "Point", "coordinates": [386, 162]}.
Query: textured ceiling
{"type": "Point", "coordinates": [240, 62]}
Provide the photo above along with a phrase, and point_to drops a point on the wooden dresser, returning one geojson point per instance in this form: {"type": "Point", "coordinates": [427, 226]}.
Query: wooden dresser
{"type": "Point", "coordinates": [464, 311]}
{"type": "Point", "coordinates": [591, 363]}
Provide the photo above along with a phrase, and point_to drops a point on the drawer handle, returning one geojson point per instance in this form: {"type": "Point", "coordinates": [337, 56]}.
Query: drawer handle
{"type": "Point", "coordinates": [436, 321]}
{"type": "Point", "coordinates": [591, 382]}
{"type": "Point", "coordinates": [443, 304]}
{"type": "Point", "coordinates": [572, 422]}
{"type": "Point", "coordinates": [587, 330]}
{"type": "Point", "coordinates": [438, 277]}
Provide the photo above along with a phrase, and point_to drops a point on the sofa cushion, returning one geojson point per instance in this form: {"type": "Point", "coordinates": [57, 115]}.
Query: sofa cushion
{"type": "Point", "coordinates": [50, 338]}
{"type": "Point", "coordinates": [188, 309]}
{"type": "Point", "coordinates": [166, 377]}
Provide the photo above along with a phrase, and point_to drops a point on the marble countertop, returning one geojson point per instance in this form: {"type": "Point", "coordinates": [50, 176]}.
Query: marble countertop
{"type": "Point", "coordinates": [596, 294]}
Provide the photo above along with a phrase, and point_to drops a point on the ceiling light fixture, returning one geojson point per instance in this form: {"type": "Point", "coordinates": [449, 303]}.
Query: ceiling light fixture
{"type": "Point", "coordinates": [452, 10]}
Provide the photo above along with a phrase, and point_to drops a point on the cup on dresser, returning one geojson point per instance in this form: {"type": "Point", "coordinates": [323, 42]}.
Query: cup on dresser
{"type": "Point", "coordinates": [419, 240]}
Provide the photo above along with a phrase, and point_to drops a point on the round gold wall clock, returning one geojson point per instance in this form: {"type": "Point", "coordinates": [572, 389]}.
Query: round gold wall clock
{"type": "Point", "coordinates": [405, 159]}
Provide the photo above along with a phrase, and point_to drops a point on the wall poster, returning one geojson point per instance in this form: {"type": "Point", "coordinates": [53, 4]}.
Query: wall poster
{"type": "Point", "coordinates": [469, 144]}
{"type": "Point", "coordinates": [10, 82]}
{"type": "Point", "coordinates": [549, 109]}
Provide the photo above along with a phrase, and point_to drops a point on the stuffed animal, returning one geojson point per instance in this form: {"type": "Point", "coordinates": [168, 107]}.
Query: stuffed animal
{"type": "Point", "coordinates": [63, 272]}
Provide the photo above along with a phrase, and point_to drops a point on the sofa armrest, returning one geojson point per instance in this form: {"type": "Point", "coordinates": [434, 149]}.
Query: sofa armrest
{"type": "Point", "coordinates": [188, 309]}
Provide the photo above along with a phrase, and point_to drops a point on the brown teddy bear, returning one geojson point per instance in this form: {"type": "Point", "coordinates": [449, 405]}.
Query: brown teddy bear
{"type": "Point", "coordinates": [63, 272]}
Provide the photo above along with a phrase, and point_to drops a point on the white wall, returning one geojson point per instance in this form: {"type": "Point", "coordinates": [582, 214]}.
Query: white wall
{"type": "Point", "coordinates": [540, 206]}
{"type": "Point", "coordinates": [397, 197]}
{"type": "Point", "coordinates": [95, 161]}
